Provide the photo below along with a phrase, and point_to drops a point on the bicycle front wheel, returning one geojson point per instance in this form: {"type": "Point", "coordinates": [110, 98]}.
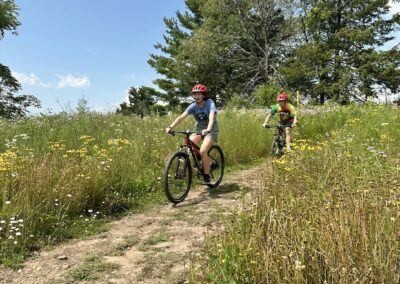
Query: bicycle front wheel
{"type": "Point", "coordinates": [177, 177]}
{"type": "Point", "coordinates": [276, 149]}
{"type": "Point", "coordinates": [217, 165]}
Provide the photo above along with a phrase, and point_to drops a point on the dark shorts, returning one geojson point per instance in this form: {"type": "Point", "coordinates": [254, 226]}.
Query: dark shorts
{"type": "Point", "coordinates": [288, 124]}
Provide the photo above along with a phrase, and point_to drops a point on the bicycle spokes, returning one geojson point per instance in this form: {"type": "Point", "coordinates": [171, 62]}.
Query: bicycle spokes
{"type": "Point", "coordinates": [177, 177]}
{"type": "Point", "coordinates": [180, 169]}
{"type": "Point", "coordinates": [216, 166]}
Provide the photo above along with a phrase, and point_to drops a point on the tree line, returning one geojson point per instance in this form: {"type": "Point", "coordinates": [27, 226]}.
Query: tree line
{"type": "Point", "coordinates": [250, 49]}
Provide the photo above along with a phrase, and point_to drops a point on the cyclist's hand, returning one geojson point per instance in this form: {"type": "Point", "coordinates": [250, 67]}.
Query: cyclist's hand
{"type": "Point", "coordinates": [266, 125]}
{"type": "Point", "coordinates": [294, 124]}
{"type": "Point", "coordinates": [204, 132]}
{"type": "Point", "coordinates": [168, 130]}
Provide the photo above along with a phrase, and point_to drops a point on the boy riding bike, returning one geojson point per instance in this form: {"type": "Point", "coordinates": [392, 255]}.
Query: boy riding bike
{"type": "Point", "coordinates": [288, 109]}
{"type": "Point", "coordinates": [204, 111]}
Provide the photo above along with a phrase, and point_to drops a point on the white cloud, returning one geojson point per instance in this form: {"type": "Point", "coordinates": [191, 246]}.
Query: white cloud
{"type": "Point", "coordinates": [73, 81]}
{"type": "Point", "coordinates": [26, 79]}
{"type": "Point", "coordinates": [29, 79]}
{"type": "Point", "coordinates": [394, 7]}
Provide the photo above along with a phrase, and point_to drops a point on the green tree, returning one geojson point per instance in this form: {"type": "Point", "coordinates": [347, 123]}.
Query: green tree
{"type": "Point", "coordinates": [266, 94]}
{"type": "Point", "coordinates": [339, 55]}
{"type": "Point", "coordinates": [82, 106]}
{"type": "Point", "coordinates": [231, 46]}
{"type": "Point", "coordinates": [178, 29]}
{"type": "Point", "coordinates": [238, 47]}
{"type": "Point", "coordinates": [11, 104]}
{"type": "Point", "coordinates": [140, 101]}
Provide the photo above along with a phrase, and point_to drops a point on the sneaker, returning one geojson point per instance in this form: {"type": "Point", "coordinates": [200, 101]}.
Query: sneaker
{"type": "Point", "coordinates": [206, 179]}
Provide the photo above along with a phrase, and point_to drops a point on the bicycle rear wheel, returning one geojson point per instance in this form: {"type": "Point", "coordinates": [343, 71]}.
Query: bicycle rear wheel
{"type": "Point", "coordinates": [177, 177]}
{"type": "Point", "coordinates": [217, 165]}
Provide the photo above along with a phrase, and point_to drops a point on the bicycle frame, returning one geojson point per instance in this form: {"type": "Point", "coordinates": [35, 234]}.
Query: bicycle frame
{"type": "Point", "coordinates": [188, 146]}
{"type": "Point", "coordinates": [280, 134]}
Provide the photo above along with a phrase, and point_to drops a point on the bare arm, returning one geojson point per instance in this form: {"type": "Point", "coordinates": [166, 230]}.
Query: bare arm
{"type": "Point", "coordinates": [267, 119]}
{"type": "Point", "coordinates": [176, 121]}
{"type": "Point", "coordinates": [295, 121]}
{"type": "Point", "coordinates": [211, 121]}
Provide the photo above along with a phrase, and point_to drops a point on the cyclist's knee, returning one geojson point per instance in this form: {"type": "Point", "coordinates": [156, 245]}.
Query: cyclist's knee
{"type": "Point", "coordinates": [195, 139]}
{"type": "Point", "coordinates": [204, 150]}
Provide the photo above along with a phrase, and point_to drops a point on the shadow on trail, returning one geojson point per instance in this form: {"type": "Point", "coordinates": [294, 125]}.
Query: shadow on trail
{"type": "Point", "coordinates": [224, 191]}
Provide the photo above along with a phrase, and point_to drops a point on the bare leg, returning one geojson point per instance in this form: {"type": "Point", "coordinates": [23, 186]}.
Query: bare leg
{"type": "Point", "coordinates": [207, 143]}
{"type": "Point", "coordinates": [288, 138]}
{"type": "Point", "coordinates": [196, 140]}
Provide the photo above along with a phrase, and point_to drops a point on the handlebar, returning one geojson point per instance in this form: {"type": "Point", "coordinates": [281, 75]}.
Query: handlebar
{"type": "Point", "coordinates": [186, 132]}
{"type": "Point", "coordinates": [278, 125]}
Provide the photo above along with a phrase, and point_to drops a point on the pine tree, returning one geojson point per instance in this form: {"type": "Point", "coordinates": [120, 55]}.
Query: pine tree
{"type": "Point", "coordinates": [178, 29]}
{"type": "Point", "coordinates": [140, 101]}
{"type": "Point", "coordinates": [340, 54]}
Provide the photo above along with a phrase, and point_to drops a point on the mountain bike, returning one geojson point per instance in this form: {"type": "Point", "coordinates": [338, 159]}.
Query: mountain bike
{"type": "Point", "coordinates": [279, 140]}
{"type": "Point", "coordinates": [178, 170]}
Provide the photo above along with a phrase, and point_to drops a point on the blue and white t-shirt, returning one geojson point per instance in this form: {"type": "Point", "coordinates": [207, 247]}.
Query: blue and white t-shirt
{"type": "Point", "coordinates": [202, 114]}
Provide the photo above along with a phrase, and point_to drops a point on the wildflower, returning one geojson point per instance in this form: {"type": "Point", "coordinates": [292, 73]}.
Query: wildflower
{"type": "Point", "coordinates": [86, 139]}
{"type": "Point", "coordinates": [69, 195]}
{"type": "Point", "coordinates": [23, 136]}
{"type": "Point", "coordinates": [298, 265]}
{"type": "Point", "coordinates": [118, 142]}
{"type": "Point", "coordinates": [8, 202]}
{"type": "Point", "coordinates": [56, 146]}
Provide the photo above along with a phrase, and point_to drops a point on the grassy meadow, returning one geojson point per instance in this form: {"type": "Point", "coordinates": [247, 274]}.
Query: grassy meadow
{"type": "Point", "coordinates": [62, 175]}
{"type": "Point", "coordinates": [329, 213]}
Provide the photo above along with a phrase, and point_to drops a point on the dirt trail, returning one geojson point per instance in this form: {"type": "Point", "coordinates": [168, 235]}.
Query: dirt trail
{"type": "Point", "coordinates": [150, 247]}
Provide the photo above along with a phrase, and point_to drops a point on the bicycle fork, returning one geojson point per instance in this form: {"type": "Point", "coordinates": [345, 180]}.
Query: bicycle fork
{"type": "Point", "coordinates": [181, 165]}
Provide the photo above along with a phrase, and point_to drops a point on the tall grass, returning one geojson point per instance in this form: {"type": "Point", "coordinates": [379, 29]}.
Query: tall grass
{"type": "Point", "coordinates": [60, 174]}
{"type": "Point", "coordinates": [329, 213]}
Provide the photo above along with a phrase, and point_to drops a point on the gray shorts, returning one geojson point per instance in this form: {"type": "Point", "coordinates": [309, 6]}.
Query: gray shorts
{"type": "Point", "coordinates": [213, 134]}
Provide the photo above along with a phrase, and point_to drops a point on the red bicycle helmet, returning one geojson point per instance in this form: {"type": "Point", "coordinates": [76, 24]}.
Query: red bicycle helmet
{"type": "Point", "coordinates": [282, 97]}
{"type": "Point", "coordinates": [200, 88]}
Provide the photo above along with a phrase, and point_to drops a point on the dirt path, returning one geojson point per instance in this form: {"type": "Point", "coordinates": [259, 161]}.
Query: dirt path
{"type": "Point", "coordinates": [150, 247]}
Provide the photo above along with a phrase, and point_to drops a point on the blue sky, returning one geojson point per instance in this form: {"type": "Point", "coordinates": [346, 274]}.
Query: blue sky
{"type": "Point", "coordinates": [67, 49]}
{"type": "Point", "coordinates": [96, 49]}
